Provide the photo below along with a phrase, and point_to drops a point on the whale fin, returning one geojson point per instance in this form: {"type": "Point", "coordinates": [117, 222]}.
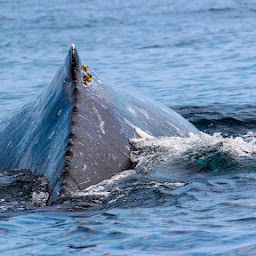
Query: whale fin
{"type": "Point", "coordinates": [76, 132]}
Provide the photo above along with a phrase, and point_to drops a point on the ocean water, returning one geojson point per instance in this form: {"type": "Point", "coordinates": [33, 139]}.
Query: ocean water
{"type": "Point", "coordinates": [192, 196]}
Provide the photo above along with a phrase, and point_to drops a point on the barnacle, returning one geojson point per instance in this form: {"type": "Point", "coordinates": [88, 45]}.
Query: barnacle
{"type": "Point", "coordinates": [84, 68]}
{"type": "Point", "coordinates": [88, 77]}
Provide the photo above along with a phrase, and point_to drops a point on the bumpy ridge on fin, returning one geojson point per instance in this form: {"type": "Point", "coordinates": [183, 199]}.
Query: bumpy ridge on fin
{"type": "Point", "coordinates": [76, 77]}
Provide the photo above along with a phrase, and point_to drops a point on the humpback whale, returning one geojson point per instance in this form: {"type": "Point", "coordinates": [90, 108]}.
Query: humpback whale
{"type": "Point", "coordinates": [76, 131]}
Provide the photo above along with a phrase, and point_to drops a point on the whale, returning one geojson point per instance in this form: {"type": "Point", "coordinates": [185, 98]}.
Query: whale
{"type": "Point", "coordinates": [76, 131]}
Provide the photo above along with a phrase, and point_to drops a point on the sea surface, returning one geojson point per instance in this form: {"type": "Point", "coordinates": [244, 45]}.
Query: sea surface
{"type": "Point", "coordinates": [192, 196]}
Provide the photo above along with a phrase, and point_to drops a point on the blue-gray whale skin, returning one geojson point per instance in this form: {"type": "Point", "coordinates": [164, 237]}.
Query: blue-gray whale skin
{"type": "Point", "coordinates": [77, 134]}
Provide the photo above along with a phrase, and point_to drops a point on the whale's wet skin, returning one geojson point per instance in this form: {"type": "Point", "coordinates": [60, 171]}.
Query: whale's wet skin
{"type": "Point", "coordinates": [76, 133]}
{"type": "Point", "coordinates": [174, 192]}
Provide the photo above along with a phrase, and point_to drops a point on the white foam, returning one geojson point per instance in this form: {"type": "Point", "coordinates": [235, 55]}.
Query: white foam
{"type": "Point", "coordinates": [40, 198]}
{"type": "Point", "coordinates": [146, 148]}
{"type": "Point", "coordinates": [103, 188]}
{"type": "Point", "coordinates": [169, 184]}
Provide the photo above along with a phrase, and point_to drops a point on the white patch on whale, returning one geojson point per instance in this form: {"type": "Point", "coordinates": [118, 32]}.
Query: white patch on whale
{"type": "Point", "coordinates": [132, 111]}
{"type": "Point", "coordinates": [101, 122]}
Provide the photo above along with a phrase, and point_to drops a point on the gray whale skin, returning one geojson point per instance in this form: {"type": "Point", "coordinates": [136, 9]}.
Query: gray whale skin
{"type": "Point", "coordinates": [76, 133]}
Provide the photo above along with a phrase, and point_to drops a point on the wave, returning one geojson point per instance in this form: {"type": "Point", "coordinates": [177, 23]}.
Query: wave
{"type": "Point", "coordinates": [195, 6]}
{"type": "Point", "coordinates": [207, 153]}
{"type": "Point", "coordinates": [22, 190]}
{"type": "Point", "coordinates": [127, 189]}
{"type": "Point", "coordinates": [229, 120]}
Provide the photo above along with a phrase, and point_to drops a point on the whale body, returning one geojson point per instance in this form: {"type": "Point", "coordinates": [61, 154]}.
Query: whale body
{"type": "Point", "coordinates": [76, 131]}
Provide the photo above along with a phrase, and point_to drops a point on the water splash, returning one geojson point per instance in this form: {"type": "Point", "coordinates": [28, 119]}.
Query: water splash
{"type": "Point", "coordinates": [22, 190]}
{"type": "Point", "coordinates": [204, 152]}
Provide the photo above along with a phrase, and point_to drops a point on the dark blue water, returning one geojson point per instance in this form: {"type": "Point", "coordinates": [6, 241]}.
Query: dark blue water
{"type": "Point", "coordinates": [194, 196]}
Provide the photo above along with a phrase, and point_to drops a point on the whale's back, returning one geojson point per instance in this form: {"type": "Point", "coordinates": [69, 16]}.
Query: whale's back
{"type": "Point", "coordinates": [76, 132]}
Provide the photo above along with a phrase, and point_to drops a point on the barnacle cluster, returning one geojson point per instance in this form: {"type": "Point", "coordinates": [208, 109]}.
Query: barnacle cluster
{"type": "Point", "coordinates": [87, 78]}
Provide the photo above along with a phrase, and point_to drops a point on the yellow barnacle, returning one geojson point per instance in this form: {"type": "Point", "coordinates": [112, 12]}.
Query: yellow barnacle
{"type": "Point", "coordinates": [84, 68]}
{"type": "Point", "coordinates": [88, 77]}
